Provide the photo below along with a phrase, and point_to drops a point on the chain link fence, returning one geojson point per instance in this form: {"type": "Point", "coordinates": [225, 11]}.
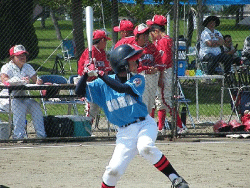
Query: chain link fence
{"type": "Point", "coordinates": [54, 36]}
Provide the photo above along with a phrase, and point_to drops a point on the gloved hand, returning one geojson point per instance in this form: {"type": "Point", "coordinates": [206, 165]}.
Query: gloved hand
{"type": "Point", "coordinates": [92, 72]}
{"type": "Point", "coordinates": [95, 73]}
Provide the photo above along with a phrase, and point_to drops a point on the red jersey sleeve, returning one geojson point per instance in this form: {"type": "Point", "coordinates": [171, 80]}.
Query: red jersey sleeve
{"type": "Point", "coordinates": [82, 61]}
{"type": "Point", "coordinates": [150, 58]}
{"type": "Point", "coordinates": [165, 45]}
{"type": "Point", "coordinates": [126, 40]}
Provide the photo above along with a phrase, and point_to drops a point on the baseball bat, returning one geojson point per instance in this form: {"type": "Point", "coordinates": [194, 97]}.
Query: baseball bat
{"type": "Point", "coordinates": [89, 28]}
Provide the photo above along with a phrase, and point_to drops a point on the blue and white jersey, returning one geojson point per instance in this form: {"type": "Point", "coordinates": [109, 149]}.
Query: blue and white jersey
{"type": "Point", "coordinates": [120, 108]}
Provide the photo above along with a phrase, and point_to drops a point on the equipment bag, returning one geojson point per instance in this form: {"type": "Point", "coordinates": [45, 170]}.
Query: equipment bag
{"type": "Point", "coordinates": [58, 127]}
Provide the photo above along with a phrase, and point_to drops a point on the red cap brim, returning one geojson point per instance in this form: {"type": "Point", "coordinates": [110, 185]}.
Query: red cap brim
{"type": "Point", "coordinates": [108, 38]}
{"type": "Point", "coordinates": [149, 22]}
{"type": "Point", "coordinates": [21, 52]}
{"type": "Point", "coordinates": [116, 28]}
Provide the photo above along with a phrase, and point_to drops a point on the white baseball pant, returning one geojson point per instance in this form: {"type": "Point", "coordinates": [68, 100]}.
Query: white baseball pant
{"type": "Point", "coordinates": [20, 107]}
{"type": "Point", "coordinates": [163, 100]}
{"type": "Point", "coordinates": [151, 86]}
{"type": "Point", "coordinates": [136, 138]}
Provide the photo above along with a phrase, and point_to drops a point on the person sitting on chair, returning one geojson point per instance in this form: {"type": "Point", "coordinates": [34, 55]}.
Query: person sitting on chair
{"type": "Point", "coordinates": [246, 51]}
{"type": "Point", "coordinates": [210, 50]}
{"type": "Point", "coordinates": [229, 49]}
{"type": "Point", "coordinates": [18, 71]}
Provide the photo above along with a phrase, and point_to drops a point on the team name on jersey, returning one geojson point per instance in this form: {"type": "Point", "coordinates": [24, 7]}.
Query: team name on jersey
{"type": "Point", "coordinates": [120, 102]}
{"type": "Point", "coordinates": [100, 64]}
{"type": "Point", "coordinates": [147, 60]}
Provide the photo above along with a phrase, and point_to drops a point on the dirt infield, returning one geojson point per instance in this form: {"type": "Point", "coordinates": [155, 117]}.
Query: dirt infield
{"type": "Point", "coordinates": [221, 163]}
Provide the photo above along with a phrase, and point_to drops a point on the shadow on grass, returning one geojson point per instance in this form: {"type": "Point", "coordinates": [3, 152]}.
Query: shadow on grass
{"type": "Point", "coordinates": [51, 27]}
{"type": "Point", "coordinates": [48, 40]}
{"type": "Point", "coordinates": [208, 93]}
{"type": "Point", "coordinates": [41, 68]}
{"type": "Point", "coordinates": [226, 27]}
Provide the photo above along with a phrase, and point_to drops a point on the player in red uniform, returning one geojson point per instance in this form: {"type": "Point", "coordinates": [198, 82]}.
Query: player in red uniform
{"type": "Point", "coordinates": [125, 28]}
{"type": "Point", "coordinates": [99, 60]}
{"type": "Point", "coordinates": [164, 44]}
{"type": "Point", "coordinates": [150, 63]}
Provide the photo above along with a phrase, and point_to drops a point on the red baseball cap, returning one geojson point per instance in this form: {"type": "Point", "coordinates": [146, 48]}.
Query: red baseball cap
{"type": "Point", "coordinates": [140, 29]}
{"type": "Point", "coordinates": [157, 19]}
{"type": "Point", "coordinates": [100, 34]}
{"type": "Point", "coordinates": [125, 25]}
{"type": "Point", "coordinates": [18, 50]}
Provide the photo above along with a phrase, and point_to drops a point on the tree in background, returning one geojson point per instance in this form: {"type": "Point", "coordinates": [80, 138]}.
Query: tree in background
{"type": "Point", "coordinates": [17, 28]}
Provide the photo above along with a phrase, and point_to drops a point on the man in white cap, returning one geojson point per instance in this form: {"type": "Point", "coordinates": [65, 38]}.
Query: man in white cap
{"type": "Point", "coordinates": [17, 71]}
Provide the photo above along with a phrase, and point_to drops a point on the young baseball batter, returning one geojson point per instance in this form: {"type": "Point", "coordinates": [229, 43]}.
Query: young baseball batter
{"type": "Point", "coordinates": [120, 96]}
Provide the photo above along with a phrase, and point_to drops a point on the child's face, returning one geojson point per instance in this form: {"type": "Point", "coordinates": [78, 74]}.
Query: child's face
{"type": "Point", "coordinates": [154, 35]}
{"type": "Point", "coordinates": [133, 66]}
{"type": "Point", "coordinates": [143, 39]}
{"type": "Point", "coordinates": [102, 44]}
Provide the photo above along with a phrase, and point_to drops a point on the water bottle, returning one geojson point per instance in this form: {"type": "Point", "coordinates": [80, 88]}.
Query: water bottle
{"type": "Point", "coordinates": [184, 115]}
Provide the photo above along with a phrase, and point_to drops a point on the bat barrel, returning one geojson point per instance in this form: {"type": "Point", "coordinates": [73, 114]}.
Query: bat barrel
{"type": "Point", "coordinates": [89, 26]}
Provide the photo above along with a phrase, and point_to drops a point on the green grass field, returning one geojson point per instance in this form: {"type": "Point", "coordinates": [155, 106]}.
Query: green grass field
{"type": "Point", "coordinates": [48, 43]}
{"type": "Point", "coordinates": [49, 47]}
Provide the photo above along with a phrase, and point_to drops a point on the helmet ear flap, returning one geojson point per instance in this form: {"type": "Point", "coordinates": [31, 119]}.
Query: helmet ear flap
{"type": "Point", "coordinates": [122, 65]}
{"type": "Point", "coordinates": [120, 55]}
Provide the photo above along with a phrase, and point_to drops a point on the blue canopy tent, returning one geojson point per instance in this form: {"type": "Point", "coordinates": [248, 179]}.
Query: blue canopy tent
{"type": "Point", "coordinates": [146, 2]}
{"type": "Point", "coordinates": [208, 2]}
{"type": "Point", "coordinates": [221, 2]}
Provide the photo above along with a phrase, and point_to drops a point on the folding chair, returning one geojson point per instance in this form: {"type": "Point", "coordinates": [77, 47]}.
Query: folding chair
{"type": "Point", "coordinates": [203, 65]}
{"type": "Point", "coordinates": [239, 91]}
{"type": "Point", "coordinates": [58, 79]}
{"type": "Point", "coordinates": [6, 126]}
{"type": "Point", "coordinates": [68, 50]}
{"type": "Point", "coordinates": [182, 99]}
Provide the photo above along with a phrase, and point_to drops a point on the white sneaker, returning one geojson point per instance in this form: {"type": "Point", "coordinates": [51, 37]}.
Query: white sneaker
{"type": "Point", "coordinates": [162, 132]}
{"type": "Point", "coordinates": [245, 135]}
{"type": "Point", "coordinates": [234, 136]}
{"type": "Point", "coordinates": [183, 130]}
{"type": "Point", "coordinates": [167, 126]}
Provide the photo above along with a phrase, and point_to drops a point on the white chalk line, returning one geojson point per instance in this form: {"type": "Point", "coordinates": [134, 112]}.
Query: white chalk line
{"type": "Point", "coordinates": [96, 144]}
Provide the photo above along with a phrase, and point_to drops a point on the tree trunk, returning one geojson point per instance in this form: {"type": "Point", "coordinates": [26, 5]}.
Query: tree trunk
{"type": "Point", "coordinates": [54, 20]}
{"type": "Point", "coordinates": [237, 18]}
{"type": "Point", "coordinates": [190, 27]}
{"type": "Point", "coordinates": [77, 15]}
{"type": "Point", "coordinates": [114, 17]}
{"type": "Point", "coordinates": [199, 19]}
{"type": "Point", "coordinates": [241, 12]}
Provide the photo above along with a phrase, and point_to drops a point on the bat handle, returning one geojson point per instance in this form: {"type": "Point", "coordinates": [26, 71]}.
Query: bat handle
{"type": "Point", "coordinates": [90, 55]}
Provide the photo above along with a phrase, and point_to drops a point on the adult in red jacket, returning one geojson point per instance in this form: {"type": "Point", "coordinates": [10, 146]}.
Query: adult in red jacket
{"type": "Point", "coordinates": [150, 64]}
{"type": "Point", "coordinates": [164, 44]}
{"type": "Point", "coordinates": [99, 62]}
